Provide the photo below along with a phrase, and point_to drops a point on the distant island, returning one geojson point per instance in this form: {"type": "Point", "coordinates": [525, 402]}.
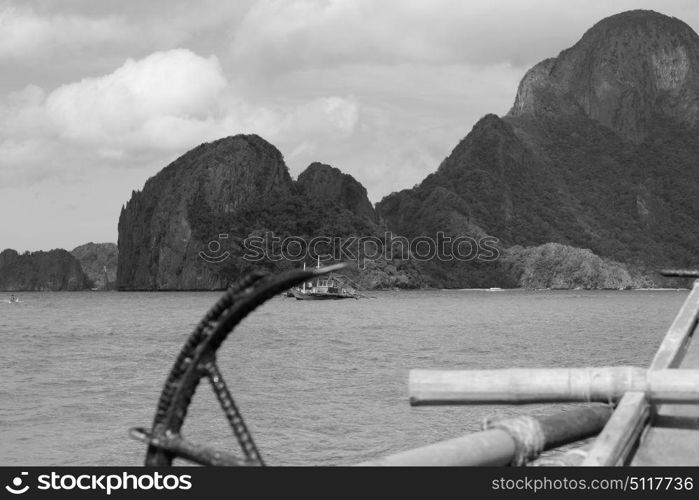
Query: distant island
{"type": "Point", "coordinates": [590, 181]}
{"type": "Point", "coordinates": [41, 271]}
{"type": "Point", "coordinates": [59, 270]}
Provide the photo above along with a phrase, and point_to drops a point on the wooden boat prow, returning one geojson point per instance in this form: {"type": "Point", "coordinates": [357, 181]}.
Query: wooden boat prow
{"type": "Point", "coordinates": [671, 437]}
{"type": "Point", "coordinates": [655, 421]}
{"type": "Point", "coordinates": [642, 434]}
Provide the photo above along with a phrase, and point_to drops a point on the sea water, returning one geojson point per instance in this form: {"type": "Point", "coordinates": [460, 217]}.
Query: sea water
{"type": "Point", "coordinates": [318, 382]}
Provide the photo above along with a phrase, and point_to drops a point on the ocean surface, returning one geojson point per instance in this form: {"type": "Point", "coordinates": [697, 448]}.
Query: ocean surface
{"type": "Point", "coordinates": [318, 383]}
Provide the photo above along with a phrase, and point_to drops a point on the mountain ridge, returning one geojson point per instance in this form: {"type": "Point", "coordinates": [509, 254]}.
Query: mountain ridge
{"type": "Point", "coordinates": [629, 72]}
{"type": "Point", "coordinates": [596, 155]}
{"type": "Point", "coordinates": [188, 227]}
{"type": "Point", "coordinates": [556, 169]}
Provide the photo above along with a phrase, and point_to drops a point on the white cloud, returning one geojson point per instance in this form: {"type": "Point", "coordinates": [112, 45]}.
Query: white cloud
{"type": "Point", "coordinates": [144, 113]}
{"type": "Point", "coordinates": [409, 117]}
{"type": "Point", "coordinates": [277, 36]}
{"type": "Point", "coordinates": [315, 118]}
{"type": "Point", "coordinates": [24, 33]}
{"type": "Point", "coordinates": [387, 125]}
{"type": "Point", "coordinates": [152, 102]}
{"type": "Point", "coordinates": [164, 102]}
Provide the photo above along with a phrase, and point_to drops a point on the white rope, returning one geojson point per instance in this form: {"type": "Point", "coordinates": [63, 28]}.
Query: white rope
{"type": "Point", "coordinates": [527, 434]}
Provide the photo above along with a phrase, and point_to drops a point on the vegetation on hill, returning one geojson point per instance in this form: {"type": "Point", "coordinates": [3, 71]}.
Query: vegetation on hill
{"type": "Point", "coordinates": [209, 201]}
{"type": "Point", "coordinates": [559, 266]}
{"type": "Point", "coordinates": [599, 152]}
{"type": "Point", "coordinates": [590, 181]}
{"type": "Point", "coordinates": [54, 270]}
{"type": "Point", "coordinates": [99, 262]}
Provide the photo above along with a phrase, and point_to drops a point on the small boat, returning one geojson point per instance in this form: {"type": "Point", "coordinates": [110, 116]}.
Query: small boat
{"type": "Point", "coordinates": [329, 287]}
{"type": "Point", "coordinates": [495, 289]}
{"type": "Point", "coordinates": [323, 291]}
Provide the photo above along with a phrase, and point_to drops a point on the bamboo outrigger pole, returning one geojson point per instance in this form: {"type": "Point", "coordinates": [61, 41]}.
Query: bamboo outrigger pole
{"type": "Point", "coordinates": [615, 444]}
{"type": "Point", "coordinates": [515, 441]}
{"type": "Point", "coordinates": [506, 442]}
{"type": "Point", "coordinates": [680, 273]}
{"type": "Point", "coordinates": [519, 386]}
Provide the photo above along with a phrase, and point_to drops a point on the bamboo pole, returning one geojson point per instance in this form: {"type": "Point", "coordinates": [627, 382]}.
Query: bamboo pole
{"type": "Point", "coordinates": [491, 447]}
{"type": "Point", "coordinates": [504, 442]}
{"type": "Point", "coordinates": [680, 273]}
{"type": "Point", "coordinates": [605, 384]}
{"type": "Point", "coordinates": [193, 452]}
{"type": "Point", "coordinates": [616, 442]}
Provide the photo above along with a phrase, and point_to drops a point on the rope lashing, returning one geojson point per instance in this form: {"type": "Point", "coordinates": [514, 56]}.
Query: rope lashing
{"type": "Point", "coordinates": [527, 434]}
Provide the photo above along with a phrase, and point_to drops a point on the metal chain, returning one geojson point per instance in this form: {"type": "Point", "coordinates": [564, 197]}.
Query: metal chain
{"type": "Point", "coordinates": [239, 300]}
{"type": "Point", "coordinates": [235, 419]}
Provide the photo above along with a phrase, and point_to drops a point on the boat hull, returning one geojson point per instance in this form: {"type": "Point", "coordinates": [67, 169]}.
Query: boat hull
{"type": "Point", "coordinates": [320, 296]}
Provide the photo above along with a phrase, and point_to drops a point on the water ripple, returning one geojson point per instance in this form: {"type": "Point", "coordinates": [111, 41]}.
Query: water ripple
{"type": "Point", "coordinates": [318, 383]}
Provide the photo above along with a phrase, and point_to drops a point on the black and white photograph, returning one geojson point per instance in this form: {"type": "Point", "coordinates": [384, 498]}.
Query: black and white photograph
{"type": "Point", "coordinates": [333, 233]}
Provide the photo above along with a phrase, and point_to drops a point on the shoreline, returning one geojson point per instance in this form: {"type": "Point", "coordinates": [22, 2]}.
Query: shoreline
{"type": "Point", "coordinates": [426, 289]}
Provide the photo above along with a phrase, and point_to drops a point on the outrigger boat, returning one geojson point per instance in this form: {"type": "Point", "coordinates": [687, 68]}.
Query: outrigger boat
{"type": "Point", "coordinates": [651, 417]}
{"type": "Point", "coordinates": [646, 432]}
{"type": "Point", "coordinates": [330, 287]}
{"type": "Point", "coordinates": [640, 417]}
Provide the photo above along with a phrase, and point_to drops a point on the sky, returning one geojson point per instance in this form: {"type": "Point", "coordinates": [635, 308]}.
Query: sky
{"type": "Point", "coordinates": [97, 96]}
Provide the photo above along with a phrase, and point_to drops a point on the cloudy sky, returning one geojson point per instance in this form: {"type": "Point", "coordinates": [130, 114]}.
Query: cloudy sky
{"type": "Point", "coordinates": [96, 96]}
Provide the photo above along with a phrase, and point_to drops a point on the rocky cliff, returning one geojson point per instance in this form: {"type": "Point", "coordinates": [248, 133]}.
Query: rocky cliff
{"type": "Point", "coordinates": [631, 72]}
{"type": "Point", "coordinates": [99, 262]}
{"type": "Point", "coordinates": [598, 155]}
{"type": "Point", "coordinates": [188, 227]}
{"type": "Point", "coordinates": [598, 152]}
{"type": "Point", "coordinates": [55, 270]}
{"type": "Point", "coordinates": [163, 228]}
{"type": "Point", "coordinates": [329, 183]}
